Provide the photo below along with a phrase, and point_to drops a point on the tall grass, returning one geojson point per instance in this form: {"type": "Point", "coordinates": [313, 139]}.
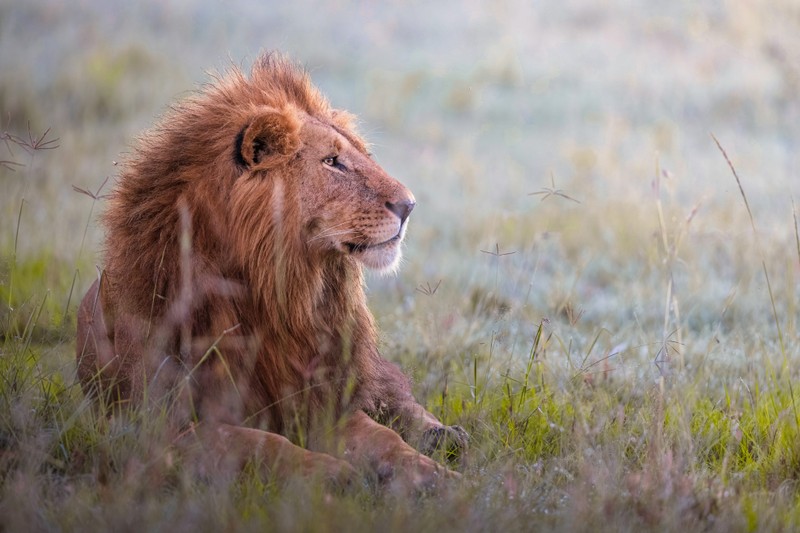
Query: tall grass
{"type": "Point", "coordinates": [587, 430]}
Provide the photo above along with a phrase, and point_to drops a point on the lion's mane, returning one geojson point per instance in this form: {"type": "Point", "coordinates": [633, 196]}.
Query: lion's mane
{"type": "Point", "coordinates": [214, 274]}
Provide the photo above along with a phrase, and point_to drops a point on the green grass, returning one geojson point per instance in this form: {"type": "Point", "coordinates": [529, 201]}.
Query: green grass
{"type": "Point", "coordinates": [576, 420]}
{"type": "Point", "coordinates": [588, 288]}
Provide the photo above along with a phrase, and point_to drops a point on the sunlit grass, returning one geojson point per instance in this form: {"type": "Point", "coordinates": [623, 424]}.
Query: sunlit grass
{"type": "Point", "coordinates": [573, 418]}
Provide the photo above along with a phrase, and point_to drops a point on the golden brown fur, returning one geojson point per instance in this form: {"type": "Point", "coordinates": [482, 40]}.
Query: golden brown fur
{"type": "Point", "coordinates": [232, 286]}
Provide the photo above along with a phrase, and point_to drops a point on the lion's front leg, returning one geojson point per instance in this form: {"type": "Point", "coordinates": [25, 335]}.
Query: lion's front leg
{"type": "Point", "coordinates": [399, 409]}
{"type": "Point", "coordinates": [373, 446]}
{"type": "Point", "coordinates": [229, 448]}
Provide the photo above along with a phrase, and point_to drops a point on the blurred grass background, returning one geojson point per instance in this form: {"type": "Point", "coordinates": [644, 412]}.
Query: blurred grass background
{"type": "Point", "coordinates": [567, 182]}
{"type": "Point", "coordinates": [474, 105]}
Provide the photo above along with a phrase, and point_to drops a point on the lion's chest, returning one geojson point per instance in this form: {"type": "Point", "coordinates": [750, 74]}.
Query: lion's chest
{"type": "Point", "coordinates": [293, 380]}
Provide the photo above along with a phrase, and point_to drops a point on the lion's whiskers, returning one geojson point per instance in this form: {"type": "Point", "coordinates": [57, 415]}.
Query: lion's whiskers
{"type": "Point", "coordinates": [329, 232]}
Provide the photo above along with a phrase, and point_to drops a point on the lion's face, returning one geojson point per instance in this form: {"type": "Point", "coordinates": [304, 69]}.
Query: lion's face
{"type": "Point", "coordinates": [353, 206]}
{"type": "Point", "coordinates": [347, 204]}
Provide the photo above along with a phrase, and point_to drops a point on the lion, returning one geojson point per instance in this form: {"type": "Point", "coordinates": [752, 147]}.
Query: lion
{"type": "Point", "coordinates": [236, 234]}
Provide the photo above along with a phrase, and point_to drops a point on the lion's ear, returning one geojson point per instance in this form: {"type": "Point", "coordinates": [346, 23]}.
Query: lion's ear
{"type": "Point", "coordinates": [271, 137]}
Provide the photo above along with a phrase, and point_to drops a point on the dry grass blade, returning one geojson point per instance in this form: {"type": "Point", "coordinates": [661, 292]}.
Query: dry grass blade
{"type": "Point", "coordinates": [34, 143]}
{"type": "Point", "coordinates": [9, 165]}
{"type": "Point", "coordinates": [796, 231]}
{"type": "Point", "coordinates": [93, 195]}
{"type": "Point", "coordinates": [427, 289]}
{"type": "Point", "coordinates": [738, 181]}
{"type": "Point", "coordinates": [547, 192]}
{"type": "Point", "coordinates": [8, 140]}
{"type": "Point", "coordinates": [497, 252]}
{"type": "Point", "coordinates": [758, 243]}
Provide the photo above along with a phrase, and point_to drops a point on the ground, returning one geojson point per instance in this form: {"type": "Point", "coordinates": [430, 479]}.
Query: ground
{"type": "Point", "coordinates": [603, 295]}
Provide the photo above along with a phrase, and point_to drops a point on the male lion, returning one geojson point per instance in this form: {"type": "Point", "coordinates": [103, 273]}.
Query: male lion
{"type": "Point", "coordinates": [233, 286]}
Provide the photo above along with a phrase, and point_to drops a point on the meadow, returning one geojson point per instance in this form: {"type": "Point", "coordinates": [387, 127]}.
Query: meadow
{"type": "Point", "coordinates": [600, 282]}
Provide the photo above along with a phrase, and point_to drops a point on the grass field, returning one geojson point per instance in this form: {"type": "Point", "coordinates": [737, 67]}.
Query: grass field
{"type": "Point", "coordinates": [604, 296]}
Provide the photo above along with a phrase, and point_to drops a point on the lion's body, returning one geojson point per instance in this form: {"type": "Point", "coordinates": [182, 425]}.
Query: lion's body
{"type": "Point", "coordinates": [232, 281]}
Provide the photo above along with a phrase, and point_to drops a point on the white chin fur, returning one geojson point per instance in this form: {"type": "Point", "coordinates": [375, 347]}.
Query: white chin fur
{"type": "Point", "coordinates": [383, 260]}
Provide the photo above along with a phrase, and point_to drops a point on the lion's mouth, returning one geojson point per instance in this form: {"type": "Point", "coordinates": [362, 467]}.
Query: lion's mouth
{"type": "Point", "coordinates": [355, 248]}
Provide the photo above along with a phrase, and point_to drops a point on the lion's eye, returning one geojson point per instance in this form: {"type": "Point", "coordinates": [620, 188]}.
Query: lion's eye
{"type": "Point", "coordinates": [330, 161]}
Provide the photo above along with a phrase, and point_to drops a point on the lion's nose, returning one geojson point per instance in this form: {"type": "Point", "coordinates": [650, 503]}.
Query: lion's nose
{"type": "Point", "coordinates": [402, 209]}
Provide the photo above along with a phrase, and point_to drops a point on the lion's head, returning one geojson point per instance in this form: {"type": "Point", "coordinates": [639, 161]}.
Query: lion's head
{"type": "Point", "coordinates": [281, 191]}
{"type": "Point", "coordinates": [315, 164]}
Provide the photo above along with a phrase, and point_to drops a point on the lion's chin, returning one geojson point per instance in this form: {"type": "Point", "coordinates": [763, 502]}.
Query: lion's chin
{"type": "Point", "coordinates": [384, 259]}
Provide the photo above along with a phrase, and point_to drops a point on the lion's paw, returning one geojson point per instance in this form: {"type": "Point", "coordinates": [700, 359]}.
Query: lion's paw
{"type": "Point", "coordinates": [453, 441]}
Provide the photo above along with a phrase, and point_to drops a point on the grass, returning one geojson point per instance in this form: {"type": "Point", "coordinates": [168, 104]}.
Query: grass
{"type": "Point", "coordinates": [600, 293]}
{"type": "Point", "coordinates": [576, 420]}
